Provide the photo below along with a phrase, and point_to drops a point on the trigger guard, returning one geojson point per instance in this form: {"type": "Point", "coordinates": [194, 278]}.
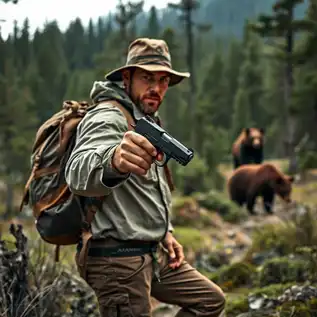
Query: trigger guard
{"type": "Point", "coordinates": [163, 162]}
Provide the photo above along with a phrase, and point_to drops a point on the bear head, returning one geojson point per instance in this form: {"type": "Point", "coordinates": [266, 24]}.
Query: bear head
{"type": "Point", "coordinates": [282, 186]}
{"type": "Point", "coordinates": [254, 137]}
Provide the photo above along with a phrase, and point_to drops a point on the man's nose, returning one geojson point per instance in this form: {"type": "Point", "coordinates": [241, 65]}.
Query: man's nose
{"type": "Point", "coordinates": [155, 87]}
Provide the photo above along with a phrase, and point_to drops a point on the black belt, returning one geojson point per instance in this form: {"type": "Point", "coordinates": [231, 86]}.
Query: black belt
{"type": "Point", "coordinates": [124, 249]}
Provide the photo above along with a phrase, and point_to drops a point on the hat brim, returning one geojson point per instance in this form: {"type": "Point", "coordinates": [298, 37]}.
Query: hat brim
{"type": "Point", "coordinates": [176, 77]}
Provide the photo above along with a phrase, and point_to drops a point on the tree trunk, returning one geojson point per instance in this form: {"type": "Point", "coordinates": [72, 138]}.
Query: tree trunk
{"type": "Point", "coordinates": [288, 87]}
{"type": "Point", "coordinates": [190, 63]}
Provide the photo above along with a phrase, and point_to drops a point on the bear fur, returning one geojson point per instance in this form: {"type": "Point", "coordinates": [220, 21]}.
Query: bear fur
{"type": "Point", "coordinates": [248, 147]}
{"type": "Point", "coordinates": [250, 181]}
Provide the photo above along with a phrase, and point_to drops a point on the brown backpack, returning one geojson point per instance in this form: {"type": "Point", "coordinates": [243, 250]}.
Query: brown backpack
{"type": "Point", "coordinates": [62, 218]}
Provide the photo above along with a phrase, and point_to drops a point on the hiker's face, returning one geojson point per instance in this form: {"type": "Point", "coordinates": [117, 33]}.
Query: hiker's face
{"type": "Point", "coordinates": [147, 89]}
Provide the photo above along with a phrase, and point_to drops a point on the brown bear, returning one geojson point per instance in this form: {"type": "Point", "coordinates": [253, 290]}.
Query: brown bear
{"type": "Point", "coordinates": [248, 147]}
{"type": "Point", "coordinates": [250, 181]}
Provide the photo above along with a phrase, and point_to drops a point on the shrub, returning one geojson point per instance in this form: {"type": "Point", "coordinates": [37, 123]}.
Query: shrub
{"type": "Point", "coordinates": [307, 160]}
{"type": "Point", "coordinates": [39, 288]}
{"type": "Point", "coordinates": [235, 275]}
{"type": "Point", "coordinates": [219, 202]}
{"type": "Point", "coordinates": [186, 212]}
{"type": "Point", "coordinates": [191, 238]}
{"type": "Point", "coordinates": [283, 270]}
{"type": "Point", "coordinates": [193, 178]}
{"type": "Point", "coordinates": [284, 238]}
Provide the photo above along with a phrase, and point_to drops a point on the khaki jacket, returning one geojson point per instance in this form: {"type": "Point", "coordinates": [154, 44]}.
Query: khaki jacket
{"type": "Point", "coordinates": [135, 207]}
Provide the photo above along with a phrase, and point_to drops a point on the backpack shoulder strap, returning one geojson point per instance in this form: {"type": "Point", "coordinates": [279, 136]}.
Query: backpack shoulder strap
{"type": "Point", "coordinates": [125, 111]}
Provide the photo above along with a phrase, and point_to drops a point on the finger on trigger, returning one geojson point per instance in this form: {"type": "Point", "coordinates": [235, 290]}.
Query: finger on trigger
{"type": "Point", "coordinates": [159, 156]}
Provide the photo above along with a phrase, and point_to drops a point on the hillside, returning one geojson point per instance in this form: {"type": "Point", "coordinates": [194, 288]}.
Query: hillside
{"type": "Point", "coordinates": [226, 16]}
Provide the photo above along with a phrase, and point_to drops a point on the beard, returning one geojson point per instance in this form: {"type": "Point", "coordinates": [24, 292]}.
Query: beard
{"type": "Point", "coordinates": [147, 106]}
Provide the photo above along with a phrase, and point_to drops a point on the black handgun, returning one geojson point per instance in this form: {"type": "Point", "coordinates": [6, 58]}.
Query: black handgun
{"type": "Point", "coordinates": [163, 142]}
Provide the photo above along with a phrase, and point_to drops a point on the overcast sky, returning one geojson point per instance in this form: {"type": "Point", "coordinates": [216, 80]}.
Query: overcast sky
{"type": "Point", "coordinates": [39, 11]}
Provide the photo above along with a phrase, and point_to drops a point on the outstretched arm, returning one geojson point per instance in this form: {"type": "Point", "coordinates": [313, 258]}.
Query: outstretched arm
{"type": "Point", "coordinates": [89, 170]}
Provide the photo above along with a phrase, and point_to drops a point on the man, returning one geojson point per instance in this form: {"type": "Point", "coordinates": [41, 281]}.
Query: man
{"type": "Point", "coordinates": [133, 254]}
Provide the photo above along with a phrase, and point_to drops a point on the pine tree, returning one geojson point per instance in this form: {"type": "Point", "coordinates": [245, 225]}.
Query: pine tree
{"type": "Point", "coordinates": [212, 107]}
{"type": "Point", "coordinates": [52, 68]}
{"type": "Point", "coordinates": [231, 72]}
{"type": "Point", "coordinates": [16, 133]}
{"type": "Point", "coordinates": [23, 47]}
{"type": "Point", "coordinates": [215, 90]}
{"type": "Point", "coordinates": [153, 26]}
{"type": "Point", "coordinates": [109, 58]}
{"type": "Point", "coordinates": [306, 78]}
{"type": "Point", "coordinates": [248, 102]}
{"type": "Point", "coordinates": [79, 84]}
{"type": "Point", "coordinates": [76, 45]}
{"type": "Point", "coordinates": [274, 112]}
{"type": "Point", "coordinates": [241, 117]}
{"type": "Point", "coordinates": [173, 109]}
{"type": "Point", "coordinates": [125, 16]}
{"type": "Point", "coordinates": [252, 70]}
{"type": "Point", "coordinates": [92, 43]}
{"type": "Point", "coordinates": [101, 32]}
{"type": "Point", "coordinates": [187, 8]}
{"type": "Point", "coordinates": [282, 23]}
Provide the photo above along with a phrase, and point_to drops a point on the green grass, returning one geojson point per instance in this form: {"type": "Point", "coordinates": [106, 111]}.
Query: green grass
{"type": "Point", "coordinates": [192, 238]}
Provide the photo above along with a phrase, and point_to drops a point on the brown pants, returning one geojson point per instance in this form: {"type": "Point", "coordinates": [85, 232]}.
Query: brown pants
{"type": "Point", "coordinates": [124, 286]}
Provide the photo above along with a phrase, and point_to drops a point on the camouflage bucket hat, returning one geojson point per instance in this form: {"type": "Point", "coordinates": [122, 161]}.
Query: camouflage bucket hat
{"type": "Point", "coordinates": [151, 55]}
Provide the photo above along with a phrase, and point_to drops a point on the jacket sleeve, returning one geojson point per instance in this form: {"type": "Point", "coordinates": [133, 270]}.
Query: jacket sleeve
{"type": "Point", "coordinates": [89, 171]}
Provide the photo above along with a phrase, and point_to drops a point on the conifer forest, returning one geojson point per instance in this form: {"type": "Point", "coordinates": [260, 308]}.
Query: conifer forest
{"type": "Point", "coordinates": [253, 64]}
